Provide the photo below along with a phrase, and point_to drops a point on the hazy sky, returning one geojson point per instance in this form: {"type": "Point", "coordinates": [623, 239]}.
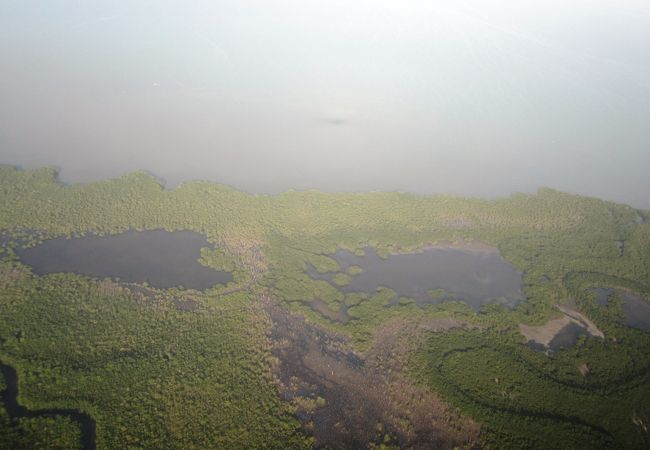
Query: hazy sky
{"type": "Point", "coordinates": [466, 97]}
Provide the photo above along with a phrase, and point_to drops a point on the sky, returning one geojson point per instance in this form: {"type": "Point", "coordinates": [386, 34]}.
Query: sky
{"type": "Point", "coordinates": [465, 97]}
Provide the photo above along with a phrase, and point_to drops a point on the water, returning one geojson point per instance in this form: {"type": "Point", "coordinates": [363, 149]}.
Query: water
{"type": "Point", "coordinates": [470, 98]}
{"type": "Point", "coordinates": [161, 258]}
{"type": "Point", "coordinates": [10, 399]}
{"type": "Point", "coordinates": [474, 276]}
{"type": "Point", "coordinates": [602, 296]}
{"type": "Point", "coordinates": [636, 310]}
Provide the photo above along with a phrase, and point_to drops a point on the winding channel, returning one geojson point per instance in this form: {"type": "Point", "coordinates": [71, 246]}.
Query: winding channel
{"type": "Point", "coordinates": [10, 399]}
{"type": "Point", "coordinates": [522, 412]}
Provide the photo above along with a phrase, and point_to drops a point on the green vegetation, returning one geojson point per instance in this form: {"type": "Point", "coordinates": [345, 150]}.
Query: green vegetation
{"type": "Point", "coordinates": [593, 395]}
{"type": "Point", "coordinates": [526, 399]}
{"type": "Point", "coordinates": [149, 374]}
{"type": "Point", "coordinates": [341, 279]}
{"type": "Point", "coordinates": [437, 293]}
{"type": "Point", "coordinates": [153, 375]}
{"type": "Point", "coordinates": [354, 270]}
{"type": "Point", "coordinates": [41, 432]}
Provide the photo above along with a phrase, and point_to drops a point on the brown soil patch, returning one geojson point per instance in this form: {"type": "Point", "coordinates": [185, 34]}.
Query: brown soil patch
{"type": "Point", "coordinates": [544, 334]}
{"type": "Point", "coordinates": [9, 275]}
{"type": "Point", "coordinates": [582, 320]}
{"type": "Point", "coordinates": [186, 304]}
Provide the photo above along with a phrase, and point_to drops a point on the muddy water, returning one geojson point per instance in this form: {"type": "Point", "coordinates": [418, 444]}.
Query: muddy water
{"type": "Point", "coordinates": [161, 258]}
{"type": "Point", "coordinates": [475, 275]}
{"type": "Point", "coordinates": [636, 310]}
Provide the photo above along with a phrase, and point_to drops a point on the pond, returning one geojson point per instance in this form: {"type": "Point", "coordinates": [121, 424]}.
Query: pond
{"type": "Point", "coordinates": [474, 274]}
{"type": "Point", "coordinates": [161, 258]}
{"type": "Point", "coordinates": [636, 310]}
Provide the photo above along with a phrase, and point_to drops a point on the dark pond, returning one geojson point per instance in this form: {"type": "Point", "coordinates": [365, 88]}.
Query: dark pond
{"type": "Point", "coordinates": [636, 310]}
{"type": "Point", "coordinates": [163, 259]}
{"type": "Point", "coordinates": [10, 399]}
{"type": "Point", "coordinates": [474, 275]}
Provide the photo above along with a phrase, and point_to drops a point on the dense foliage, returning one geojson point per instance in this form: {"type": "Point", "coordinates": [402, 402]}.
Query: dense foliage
{"type": "Point", "coordinates": [46, 432]}
{"type": "Point", "coordinates": [526, 399]}
{"type": "Point", "coordinates": [152, 374]}
{"type": "Point", "coordinates": [149, 374]}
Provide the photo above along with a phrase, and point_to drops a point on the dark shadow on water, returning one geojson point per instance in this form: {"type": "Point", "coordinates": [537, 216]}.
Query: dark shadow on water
{"type": "Point", "coordinates": [567, 337]}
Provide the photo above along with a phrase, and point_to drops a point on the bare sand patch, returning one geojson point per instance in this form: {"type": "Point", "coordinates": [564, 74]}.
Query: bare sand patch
{"type": "Point", "coordinates": [544, 334]}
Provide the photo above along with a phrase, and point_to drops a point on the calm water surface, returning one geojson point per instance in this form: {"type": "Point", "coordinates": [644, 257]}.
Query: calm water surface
{"type": "Point", "coordinates": [475, 277]}
{"type": "Point", "coordinates": [636, 310]}
{"type": "Point", "coordinates": [163, 259]}
{"type": "Point", "coordinates": [469, 97]}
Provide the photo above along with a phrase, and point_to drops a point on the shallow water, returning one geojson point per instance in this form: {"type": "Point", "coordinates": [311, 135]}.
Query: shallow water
{"type": "Point", "coordinates": [163, 259]}
{"type": "Point", "coordinates": [474, 276]}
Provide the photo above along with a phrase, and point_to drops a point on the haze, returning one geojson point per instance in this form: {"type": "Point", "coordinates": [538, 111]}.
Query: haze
{"type": "Point", "coordinates": [462, 97]}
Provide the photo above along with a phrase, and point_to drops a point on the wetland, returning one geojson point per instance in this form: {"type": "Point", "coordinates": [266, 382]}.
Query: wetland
{"type": "Point", "coordinates": [635, 309]}
{"type": "Point", "coordinates": [311, 346]}
{"type": "Point", "coordinates": [475, 274]}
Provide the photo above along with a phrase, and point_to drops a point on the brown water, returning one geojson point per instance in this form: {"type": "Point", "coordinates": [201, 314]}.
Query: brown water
{"type": "Point", "coordinates": [474, 275]}
{"type": "Point", "coordinates": [163, 259]}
